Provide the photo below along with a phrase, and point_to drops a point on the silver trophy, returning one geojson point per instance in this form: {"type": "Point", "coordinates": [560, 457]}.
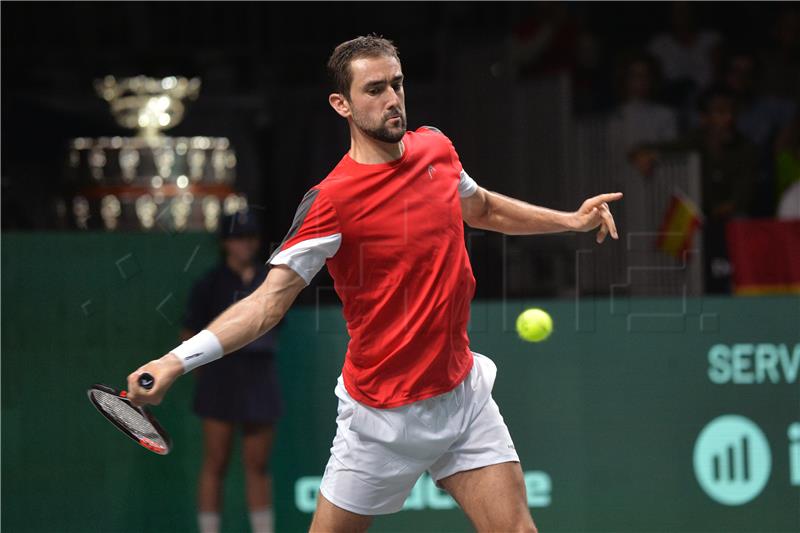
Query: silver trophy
{"type": "Point", "coordinates": [148, 105]}
{"type": "Point", "coordinates": [150, 180]}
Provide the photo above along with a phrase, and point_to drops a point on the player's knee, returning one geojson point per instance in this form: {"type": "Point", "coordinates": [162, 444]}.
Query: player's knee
{"type": "Point", "coordinates": [509, 524]}
{"type": "Point", "coordinates": [523, 526]}
{"type": "Point", "coordinates": [523, 523]}
{"type": "Point", "coordinates": [526, 525]}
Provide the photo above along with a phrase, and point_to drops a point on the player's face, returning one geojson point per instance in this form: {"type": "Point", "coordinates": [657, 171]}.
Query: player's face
{"type": "Point", "coordinates": [377, 101]}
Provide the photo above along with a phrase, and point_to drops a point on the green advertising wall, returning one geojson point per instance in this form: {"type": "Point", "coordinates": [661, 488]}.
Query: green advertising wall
{"type": "Point", "coordinates": [636, 415]}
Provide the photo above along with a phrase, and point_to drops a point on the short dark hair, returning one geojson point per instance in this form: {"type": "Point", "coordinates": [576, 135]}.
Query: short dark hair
{"type": "Point", "coordinates": [364, 46]}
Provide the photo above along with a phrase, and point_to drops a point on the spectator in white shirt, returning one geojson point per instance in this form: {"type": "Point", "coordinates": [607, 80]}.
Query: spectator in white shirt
{"type": "Point", "coordinates": [687, 55]}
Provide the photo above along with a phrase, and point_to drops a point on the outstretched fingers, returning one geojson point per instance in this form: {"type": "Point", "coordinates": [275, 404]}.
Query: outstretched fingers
{"type": "Point", "coordinates": [602, 233]}
{"type": "Point", "coordinates": [600, 199]}
{"type": "Point", "coordinates": [609, 196]}
{"type": "Point", "coordinates": [608, 220]}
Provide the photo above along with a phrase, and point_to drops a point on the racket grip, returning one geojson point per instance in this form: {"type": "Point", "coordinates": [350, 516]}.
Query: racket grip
{"type": "Point", "coordinates": [146, 381]}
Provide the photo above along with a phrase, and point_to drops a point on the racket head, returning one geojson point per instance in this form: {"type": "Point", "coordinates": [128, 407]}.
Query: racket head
{"type": "Point", "coordinates": [135, 422]}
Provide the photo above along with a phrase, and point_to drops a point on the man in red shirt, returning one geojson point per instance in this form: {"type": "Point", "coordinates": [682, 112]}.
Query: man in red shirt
{"type": "Point", "coordinates": [388, 222]}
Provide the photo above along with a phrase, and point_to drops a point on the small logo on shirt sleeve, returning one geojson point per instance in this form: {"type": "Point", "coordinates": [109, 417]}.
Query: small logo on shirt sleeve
{"type": "Point", "coordinates": [431, 171]}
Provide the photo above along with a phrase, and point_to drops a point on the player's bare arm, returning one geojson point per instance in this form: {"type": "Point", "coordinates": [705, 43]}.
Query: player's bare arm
{"type": "Point", "coordinates": [237, 326]}
{"type": "Point", "coordinates": [495, 212]}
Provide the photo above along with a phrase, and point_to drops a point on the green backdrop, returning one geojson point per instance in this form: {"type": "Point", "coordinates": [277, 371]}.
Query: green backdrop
{"type": "Point", "coordinates": [606, 414]}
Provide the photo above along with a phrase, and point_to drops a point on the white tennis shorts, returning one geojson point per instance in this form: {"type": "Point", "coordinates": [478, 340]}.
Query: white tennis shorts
{"type": "Point", "coordinates": [378, 454]}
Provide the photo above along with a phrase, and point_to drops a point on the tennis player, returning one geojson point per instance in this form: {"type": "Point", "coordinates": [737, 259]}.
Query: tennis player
{"type": "Point", "coordinates": [388, 222]}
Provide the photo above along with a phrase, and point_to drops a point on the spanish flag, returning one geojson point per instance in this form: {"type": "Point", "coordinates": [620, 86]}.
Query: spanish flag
{"type": "Point", "coordinates": [680, 224]}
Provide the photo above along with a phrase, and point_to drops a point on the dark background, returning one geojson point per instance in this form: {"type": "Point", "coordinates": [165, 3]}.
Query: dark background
{"type": "Point", "coordinates": [262, 66]}
{"type": "Point", "coordinates": [264, 86]}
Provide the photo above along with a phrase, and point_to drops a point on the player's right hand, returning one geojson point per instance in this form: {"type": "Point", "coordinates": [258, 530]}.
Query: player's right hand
{"type": "Point", "coordinates": [164, 371]}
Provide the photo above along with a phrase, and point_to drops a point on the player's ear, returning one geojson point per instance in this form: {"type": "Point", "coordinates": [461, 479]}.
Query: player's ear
{"type": "Point", "coordinates": [339, 104]}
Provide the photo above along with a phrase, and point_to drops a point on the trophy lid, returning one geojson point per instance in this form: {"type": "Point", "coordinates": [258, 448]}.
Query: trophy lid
{"type": "Point", "coordinates": [146, 104]}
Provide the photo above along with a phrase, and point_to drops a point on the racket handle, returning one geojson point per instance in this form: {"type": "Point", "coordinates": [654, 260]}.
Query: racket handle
{"type": "Point", "coordinates": [146, 381]}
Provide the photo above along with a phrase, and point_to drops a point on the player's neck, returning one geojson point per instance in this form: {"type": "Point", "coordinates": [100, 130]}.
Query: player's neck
{"type": "Point", "coordinates": [369, 151]}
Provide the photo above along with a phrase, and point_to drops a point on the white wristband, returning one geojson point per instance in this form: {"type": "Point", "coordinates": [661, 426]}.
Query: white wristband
{"type": "Point", "coordinates": [199, 350]}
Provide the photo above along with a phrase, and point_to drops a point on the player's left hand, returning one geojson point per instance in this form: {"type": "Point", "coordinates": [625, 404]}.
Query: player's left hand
{"type": "Point", "coordinates": [595, 212]}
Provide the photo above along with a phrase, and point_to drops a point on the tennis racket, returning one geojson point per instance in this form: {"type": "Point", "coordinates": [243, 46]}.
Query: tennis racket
{"type": "Point", "coordinates": [136, 422]}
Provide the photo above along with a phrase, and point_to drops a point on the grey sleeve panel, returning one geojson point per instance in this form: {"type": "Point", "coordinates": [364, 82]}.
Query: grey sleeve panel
{"type": "Point", "coordinates": [437, 130]}
{"type": "Point", "coordinates": [299, 218]}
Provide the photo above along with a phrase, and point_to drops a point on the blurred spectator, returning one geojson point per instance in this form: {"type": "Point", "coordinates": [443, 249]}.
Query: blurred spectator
{"type": "Point", "coordinates": [639, 119]}
{"type": "Point", "coordinates": [759, 118]}
{"type": "Point", "coordinates": [787, 158]}
{"type": "Point", "coordinates": [729, 172]}
{"type": "Point", "coordinates": [239, 391]}
{"type": "Point", "coordinates": [781, 63]}
{"type": "Point", "coordinates": [545, 42]}
{"type": "Point", "coordinates": [687, 55]}
{"type": "Point", "coordinates": [789, 208]}
{"type": "Point", "coordinates": [552, 38]}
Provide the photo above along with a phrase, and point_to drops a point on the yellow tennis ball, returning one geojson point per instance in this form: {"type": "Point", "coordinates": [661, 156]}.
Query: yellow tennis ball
{"type": "Point", "coordinates": [534, 325]}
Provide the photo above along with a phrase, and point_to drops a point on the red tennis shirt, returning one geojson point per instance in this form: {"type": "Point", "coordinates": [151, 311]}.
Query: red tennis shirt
{"type": "Point", "coordinates": [392, 237]}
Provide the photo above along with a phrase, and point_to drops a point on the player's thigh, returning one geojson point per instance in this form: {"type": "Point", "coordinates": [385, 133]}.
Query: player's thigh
{"type": "Point", "coordinates": [217, 440]}
{"type": "Point", "coordinates": [329, 518]}
{"type": "Point", "coordinates": [257, 442]}
{"type": "Point", "coordinates": [493, 497]}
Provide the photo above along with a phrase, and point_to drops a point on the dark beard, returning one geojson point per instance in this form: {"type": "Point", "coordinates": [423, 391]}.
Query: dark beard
{"type": "Point", "coordinates": [383, 133]}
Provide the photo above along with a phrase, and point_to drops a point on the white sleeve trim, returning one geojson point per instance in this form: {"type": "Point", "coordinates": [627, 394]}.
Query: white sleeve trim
{"type": "Point", "coordinates": [307, 257]}
{"type": "Point", "coordinates": [466, 185]}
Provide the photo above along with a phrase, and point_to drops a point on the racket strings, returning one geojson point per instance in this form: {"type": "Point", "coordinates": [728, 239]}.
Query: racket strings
{"type": "Point", "coordinates": [128, 416]}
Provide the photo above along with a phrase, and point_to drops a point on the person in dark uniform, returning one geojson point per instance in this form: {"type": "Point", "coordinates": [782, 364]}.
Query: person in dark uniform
{"type": "Point", "coordinates": [235, 392]}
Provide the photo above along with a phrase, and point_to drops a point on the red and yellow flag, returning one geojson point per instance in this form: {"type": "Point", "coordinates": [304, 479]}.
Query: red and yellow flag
{"type": "Point", "coordinates": [679, 226]}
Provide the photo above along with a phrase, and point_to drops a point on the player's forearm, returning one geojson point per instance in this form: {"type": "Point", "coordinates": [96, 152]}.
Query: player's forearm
{"type": "Point", "coordinates": [242, 322]}
{"type": "Point", "coordinates": [515, 217]}
{"type": "Point", "coordinates": [250, 318]}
